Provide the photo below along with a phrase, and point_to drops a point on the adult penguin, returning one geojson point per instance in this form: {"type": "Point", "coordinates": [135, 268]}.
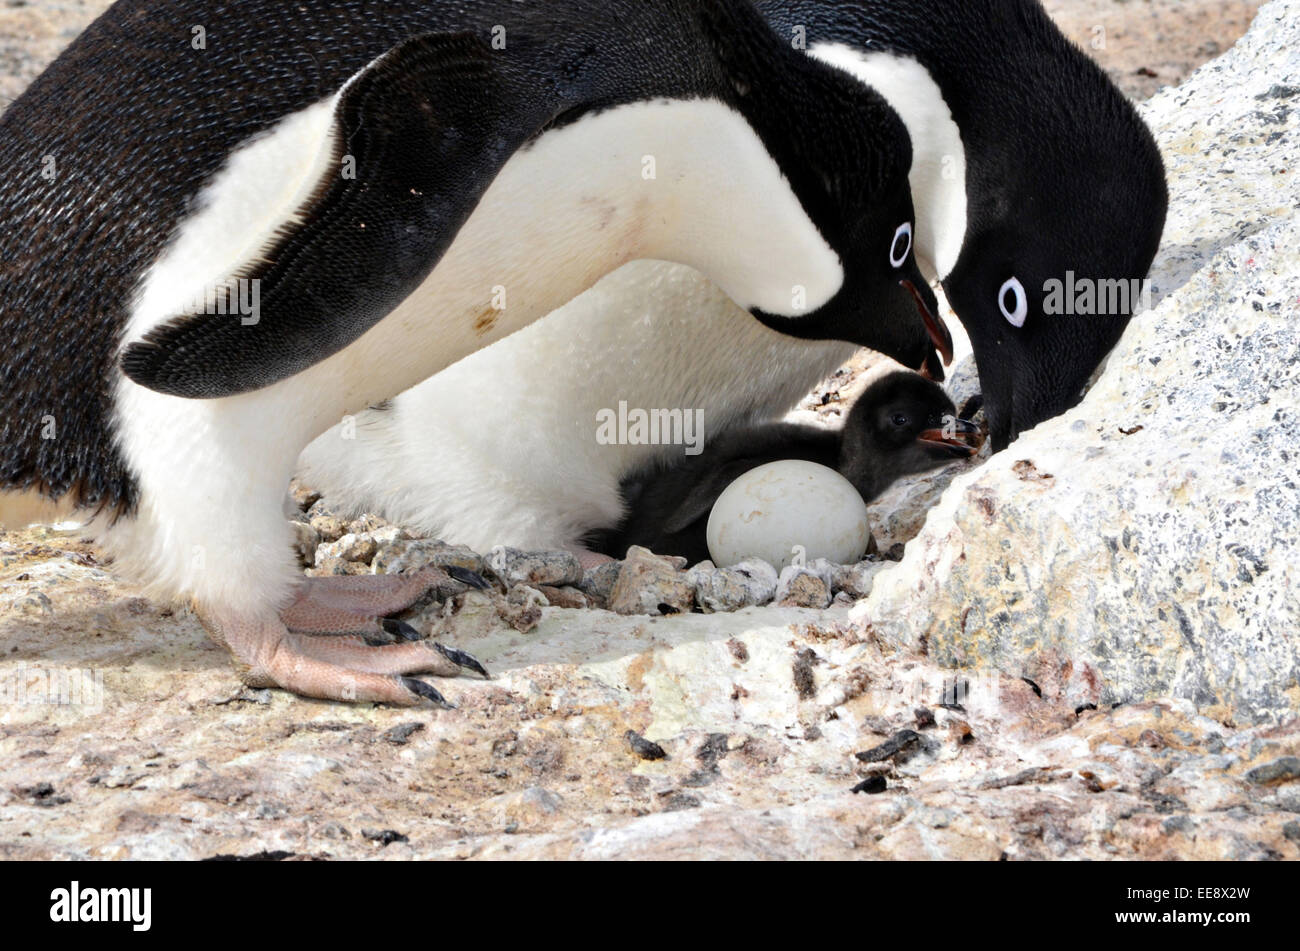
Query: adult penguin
{"type": "Point", "coordinates": [223, 227]}
{"type": "Point", "coordinates": [1030, 170]}
{"type": "Point", "coordinates": [1032, 174]}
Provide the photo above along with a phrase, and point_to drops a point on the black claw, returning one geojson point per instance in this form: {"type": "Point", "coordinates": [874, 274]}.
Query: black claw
{"type": "Point", "coordinates": [465, 576]}
{"type": "Point", "coordinates": [463, 658]}
{"type": "Point", "coordinates": [400, 629]}
{"type": "Point", "coordinates": [424, 691]}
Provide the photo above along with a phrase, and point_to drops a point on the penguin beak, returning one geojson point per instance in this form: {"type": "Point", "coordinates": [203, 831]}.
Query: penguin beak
{"type": "Point", "coordinates": [945, 440]}
{"type": "Point", "coordinates": [938, 332]}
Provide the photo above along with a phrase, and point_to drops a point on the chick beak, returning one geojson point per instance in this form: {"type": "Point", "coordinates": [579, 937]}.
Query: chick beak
{"type": "Point", "coordinates": [946, 439]}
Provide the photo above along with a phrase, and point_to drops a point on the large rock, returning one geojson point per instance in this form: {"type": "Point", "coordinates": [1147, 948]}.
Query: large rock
{"type": "Point", "coordinates": [1150, 537]}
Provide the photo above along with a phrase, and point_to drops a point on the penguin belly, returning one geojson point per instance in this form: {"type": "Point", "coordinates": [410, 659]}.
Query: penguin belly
{"type": "Point", "coordinates": [505, 447]}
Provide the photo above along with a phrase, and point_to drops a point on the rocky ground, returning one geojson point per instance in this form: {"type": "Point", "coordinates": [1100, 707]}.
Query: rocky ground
{"type": "Point", "coordinates": [1147, 45]}
{"type": "Point", "coordinates": [1122, 685]}
{"type": "Point", "coordinates": [784, 733]}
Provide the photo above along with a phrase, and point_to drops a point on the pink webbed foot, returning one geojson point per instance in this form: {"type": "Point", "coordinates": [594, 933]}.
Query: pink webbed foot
{"type": "Point", "coordinates": [333, 642]}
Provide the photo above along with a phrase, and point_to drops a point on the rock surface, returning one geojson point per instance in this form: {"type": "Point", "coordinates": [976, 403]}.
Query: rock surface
{"type": "Point", "coordinates": [760, 714]}
{"type": "Point", "coordinates": [749, 583]}
{"type": "Point", "coordinates": [1153, 533]}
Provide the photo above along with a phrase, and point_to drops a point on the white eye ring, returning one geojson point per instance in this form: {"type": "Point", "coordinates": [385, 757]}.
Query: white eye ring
{"type": "Point", "coordinates": [1015, 317]}
{"type": "Point", "coordinates": [905, 232]}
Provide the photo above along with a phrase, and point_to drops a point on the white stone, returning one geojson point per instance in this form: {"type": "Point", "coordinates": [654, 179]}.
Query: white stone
{"type": "Point", "coordinates": [1153, 532]}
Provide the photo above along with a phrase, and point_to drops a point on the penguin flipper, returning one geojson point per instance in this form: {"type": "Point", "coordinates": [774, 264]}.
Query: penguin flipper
{"type": "Point", "coordinates": [428, 126]}
{"type": "Point", "coordinates": [697, 502]}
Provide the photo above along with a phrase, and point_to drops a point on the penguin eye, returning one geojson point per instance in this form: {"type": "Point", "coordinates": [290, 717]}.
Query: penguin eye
{"type": "Point", "coordinates": [902, 245]}
{"type": "Point", "coordinates": [1014, 303]}
{"type": "Point", "coordinates": [899, 420]}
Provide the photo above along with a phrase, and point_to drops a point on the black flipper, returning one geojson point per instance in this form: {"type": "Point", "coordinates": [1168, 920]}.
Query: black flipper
{"type": "Point", "coordinates": [429, 125]}
{"type": "Point", "coordinates": [698, 502]}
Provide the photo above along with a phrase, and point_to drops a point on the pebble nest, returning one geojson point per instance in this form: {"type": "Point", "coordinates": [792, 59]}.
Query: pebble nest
{"type": "Point", "coordinates": [520, 583]}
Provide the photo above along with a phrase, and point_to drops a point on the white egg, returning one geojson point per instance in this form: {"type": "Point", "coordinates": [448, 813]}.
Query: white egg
{"type": "Point", "coordinates": [775, 507]}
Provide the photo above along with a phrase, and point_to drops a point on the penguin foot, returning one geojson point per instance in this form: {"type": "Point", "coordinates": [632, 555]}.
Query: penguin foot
{"type": "Point", "coordinates": [356, 604]}
{"type": "Point", "coordinates": [332, 642]}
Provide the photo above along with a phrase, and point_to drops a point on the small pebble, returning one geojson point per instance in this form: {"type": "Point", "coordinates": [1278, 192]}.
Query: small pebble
{"type": "Point", "coordinates": [598, 583]}
{"type": "Point", "coordinates": [42, 794]}
{"type": "Point", "coordinates": [1278, 771]}
{"type": "Point", "coordinates": [959, 732]}
{"type": "Point", "coordinates": [330, 527]}
{"type": "Point", "coordinates": [750, 582]}
{"type": "Point", "coordinates": [406, 555]}
{"type": "Point", "coordinates": [303, 498]}
{"type": "Point", "coordinates": [856, 580]}
{"type": "Point", "coordinates": [802, 588]}
{"type": "Point", "coordinates": [401, 734]}
{"type": "Point", "coordinates": [872, 785]}
{"type": "Point", "coordinates": [367, 523]}
{"type": "Point", "coordinates": [898, 748]}
{"type": "Point", "coordinates": [385, 837]}
{"type": "Point", "coordinates": [320, 509]}
{"type": "Point", "coordinates": [358, 548]}
{"type": "Point", "coordinates": [648, 584]}
{"type": "Point", "coordinates": [512, 566]}
{"type": "Point", "coordinates": [675, 802]}
{"type": "Point", "coordinates": [337, 566]}
{"type": "Point", "coordinates": [566, 597]}
{"type": "Point", "coordinates": [646, 749]}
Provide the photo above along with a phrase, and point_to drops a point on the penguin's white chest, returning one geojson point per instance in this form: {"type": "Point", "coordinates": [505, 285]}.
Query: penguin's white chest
{"type": "Point", "coordinates": [938, 174]}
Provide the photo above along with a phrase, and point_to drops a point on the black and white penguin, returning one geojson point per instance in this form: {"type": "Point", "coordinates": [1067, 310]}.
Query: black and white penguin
{"type": "Point", "coordinates": [1027, 164]}
{"type": "Point", "coordinates": [1033, 173]}
{"type": "Point", "coordinates": [902, 424]}
{"type": "Point", "coordinates": [224, 227]}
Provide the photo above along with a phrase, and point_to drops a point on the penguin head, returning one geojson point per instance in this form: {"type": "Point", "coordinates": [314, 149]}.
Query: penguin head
{"type": "Point", "coordinates": [1035, 356]}
{"type": "Point", "coordinates": [884, 302]}
{"type": "Point", "coordinates": [1061, 177]}
{"type": "Point", "coordinates": [1066, 205]}
{"type": "Point", "coordinates": [902, 424]}
{"type": "Point", "coordinates": [847, 156]}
